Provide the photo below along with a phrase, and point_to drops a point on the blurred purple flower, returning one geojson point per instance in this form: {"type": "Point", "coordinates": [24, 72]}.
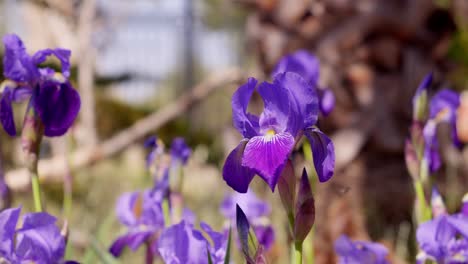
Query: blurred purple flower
{"type": "Point", "coordinates": [256, 212]}
{"type": "Point", "coordinates": [444, 239]}
{"type": "Point", "coordinates": [180, 152]}
{"type": "Point", "coordinates": [155, 150]}
{"type": "Point", "coordinates": [181, 243]}
{"type": "Point", "coordinates": [37, 241]}
{"type": "Point", "coordinates": [51, 95]}
{"type": "Point", "coordinates": [351, 252]}
{"type": "Point", "coordinates": [141, 213]}
{"type": "Point", "coordinates": [308, 67]}
{"type": "Point", "coordinates": [442, 108]}
{"type": "Point", "coordinates": [291, 109]}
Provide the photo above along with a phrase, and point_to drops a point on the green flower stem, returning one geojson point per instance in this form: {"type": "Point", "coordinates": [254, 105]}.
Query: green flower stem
{"type": "Point", "coordinates": [298, 253]}
{"type": "Point", "coordinates": [36, 191]}
{"type": "Point", "coordinates": [423, 212]}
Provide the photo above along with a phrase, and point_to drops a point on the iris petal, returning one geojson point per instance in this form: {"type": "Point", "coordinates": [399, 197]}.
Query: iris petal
{"type": "Point", "coordinates": [63, 55]}
{"type": "Point", "coordinates": [304, 96]}
{"type": "Point", "coordinates": [57, 105]}
{"type": "Point", "coordinates": [6, 112]}
{"type": "Point", "coordinates": [277, 108]}
{"type": "Point", "coordinates": [17, 63]}
{"type": "Point", "coordinates": [323, 152]}
{"type": "Point", "coordinates": [234, 173]}
{"type": "Point", "coordinates": [267, 155]}
{"type": "Point", "coordinates": [302, 63]}
{"type": "Point", "coordinates": [245, 123]}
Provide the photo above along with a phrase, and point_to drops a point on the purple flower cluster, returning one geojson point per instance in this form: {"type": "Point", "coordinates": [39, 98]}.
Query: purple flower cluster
{"type": "Point", "coordinates": [38, 240]}
{"type": "Point", "coordinates": [445, 238]}
{"type": "Point", "coordinates": [353, 252]}
{"type": "Point", "coordinates": [291, 107]}
{"type": "Point", "coordinates": [256, 212]}
{"type": "Point", "coordinates": [143, 216]}
{"type": "Point", "coordinates": [51, 95]}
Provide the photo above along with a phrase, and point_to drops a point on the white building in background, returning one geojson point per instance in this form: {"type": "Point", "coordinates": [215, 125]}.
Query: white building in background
{"type": "Point", "coordinates": [145, 39]}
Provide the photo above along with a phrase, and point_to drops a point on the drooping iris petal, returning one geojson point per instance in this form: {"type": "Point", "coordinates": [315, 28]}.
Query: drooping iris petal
{"type": "Point", "coordinates": [39, 239]}
{"type": "Point", "coordinates": [323, 153]}
{"type": "Point", "coordinates": [6, 112]}
{"type": "Point", "coordinates": [133, 240]}
{"type": "Point", "coordinates": [267, 155]}
{"type": "Point", "coordinates": [327, 101]}
{"type": "Point", "coordinates": [234, 173]}
{"type": "Point", "coordinates": [63, 55]}
{"type": "Point", "coordinates": [252, 206]}
{"type": "Point", "coordinates": [17, 64]}
{"type": "Point", "coordinates": [303, 96]}
{"type": "Point", "coordinates": [57, 105]}
{"type": "Point", "coordinates": [8, 220]}
{"type": "Point", "coordinates": [302, 63]}
{"type": "Point", "coordinates": [276, 112]}
{"type": "Point", "coordinates": [181, 244]}
{"type": "Point", "coordinates": [244, 122]}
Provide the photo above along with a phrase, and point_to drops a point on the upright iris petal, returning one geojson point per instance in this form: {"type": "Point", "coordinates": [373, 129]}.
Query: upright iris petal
{"type": "Point", "coordinates": [63, 55]}
{"type": "Point", "coordinates": [307, 66]}
{"type": "Point", "coordinates": [302, 63]}
{"type": "Point", "coordinates": [18, 65]}
{"type": "Point", "coordinates": [304, 97]}
{"type": "Point", "coordinates": [244, 122]}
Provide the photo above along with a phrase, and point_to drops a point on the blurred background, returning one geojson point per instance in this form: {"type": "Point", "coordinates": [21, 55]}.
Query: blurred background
{"type": "Point", "coordinates": [169, 67]}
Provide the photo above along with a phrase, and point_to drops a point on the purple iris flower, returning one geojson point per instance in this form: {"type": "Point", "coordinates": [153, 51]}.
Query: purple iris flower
{"type": "Point", "coordinates": [444, 239]}
{"type": "Point", "coordinates": [442, 108]}
{"type": "Point", "coordinates": [38, 241]}
{"type": "Point", "coordinates": [51, 95]}
{"type": "Point", "coordinates": [181, 243]}
{"type": "Point", "coordinates": [141, 213]}
{"type": "Point", "coordinates": [290, 111]}
{"type": "Point", "coordinates": [362, 252]}
{"type": "Point", "coordinates": [256, 212]}
{"type": "Point", "coordinates": [308, 67]}
{"type": "Point", "coordinates": [180, 151]}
